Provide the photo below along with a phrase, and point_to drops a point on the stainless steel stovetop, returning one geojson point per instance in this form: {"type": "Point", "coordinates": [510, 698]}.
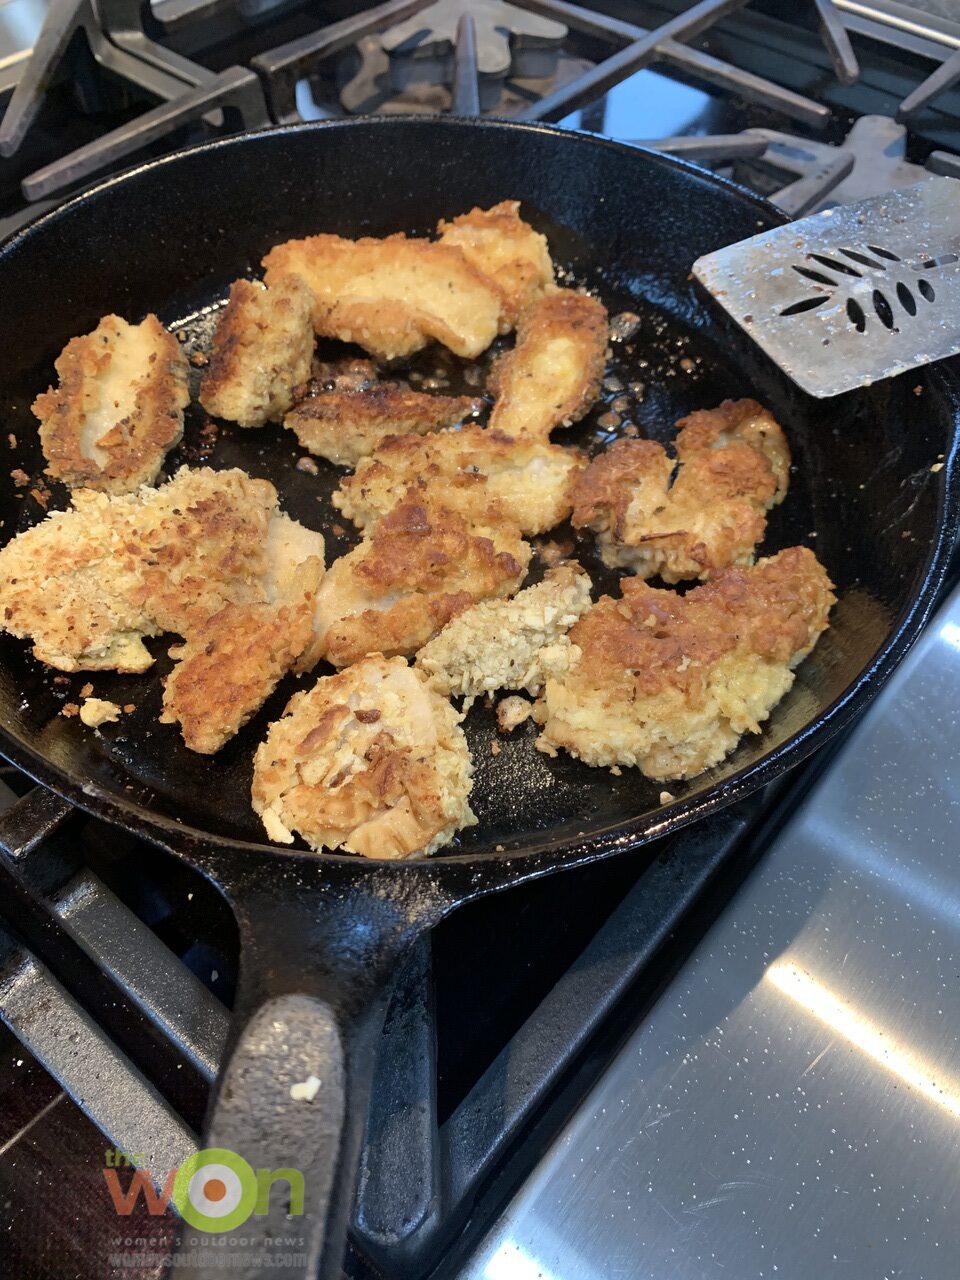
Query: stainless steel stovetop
{"type": "Point", "coordinates": [785, 1103]}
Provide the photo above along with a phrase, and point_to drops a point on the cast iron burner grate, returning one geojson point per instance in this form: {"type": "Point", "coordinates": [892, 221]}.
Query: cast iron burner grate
{"type": "Point", "coordinates": [117, 971]}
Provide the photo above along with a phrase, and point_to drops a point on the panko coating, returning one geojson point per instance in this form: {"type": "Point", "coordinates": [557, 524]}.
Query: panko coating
{"type": "Point", "coordinates": [509, 644]}
{"type": "Point", "coordinates": [392, 296]}
{"type": "Point", "coordinates": [552, 376]}
{"type": "Point", "coordinates": [483, 474]}
{"type": "Point", "coordinates": [262, 349]}
{"type": "Point", "coordinates": [418, 567]}
{"type": "Point", "coordinates": [670, 683]}
{"type": "Point", "coordinates": [733, 467]}
{"type": "Point", "coordinates": [369, 760]}
{"type": "Point", "coordinates": [507, 250]}
{"type": "Point", "coordinates": [118, 408]}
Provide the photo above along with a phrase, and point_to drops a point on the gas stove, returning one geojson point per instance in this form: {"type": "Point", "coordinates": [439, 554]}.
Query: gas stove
{"type": "Point", "coordinates": [809, 103]}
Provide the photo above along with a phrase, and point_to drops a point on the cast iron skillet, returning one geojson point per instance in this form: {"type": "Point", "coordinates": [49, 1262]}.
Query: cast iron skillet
{"type": "Point", "coordinates": [322, 936]}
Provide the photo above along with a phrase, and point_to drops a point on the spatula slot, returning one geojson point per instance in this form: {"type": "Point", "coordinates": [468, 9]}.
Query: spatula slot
{"type": "Point", "coordinates": [856, 314]}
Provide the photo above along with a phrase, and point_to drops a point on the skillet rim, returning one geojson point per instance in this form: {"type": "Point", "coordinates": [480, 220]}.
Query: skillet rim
{"type": "Point", "coordinates": [545, 854]}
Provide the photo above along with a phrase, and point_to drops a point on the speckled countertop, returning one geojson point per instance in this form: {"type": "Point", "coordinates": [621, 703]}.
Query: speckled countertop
{"type": "Point", "coordinates": [791, 1106]}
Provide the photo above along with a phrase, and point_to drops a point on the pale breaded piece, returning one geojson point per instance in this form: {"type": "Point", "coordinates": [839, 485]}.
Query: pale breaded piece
{"type": "Point", "coordinates": [69, 585]}
{"type": "Point", "coordinates": [670, 683]}
{"type": "Point", "coordinates": [509, 644]}
{"type": "Point", "coordinates": [345, 426]}
{"type": "Point", "coordinates": [89, 583]}
{"type": "Point", "coordinates": [552, 376]}
{"type": "Point", "coordinates": [262, 349]}
{"type": "Point", "coordinates": [392, 296]}
{"type": "Point", "coordinates": [118, 408]}
{"type": "Point", "coordinates": [734, 466]}
{"type": "Point", "coordinates": [507, 250]}
{"type": "Point", "coordinates": [483, 474]}
{"type": "Point", "coordinates": [369, 760]}
{"type": "Point", "coordinates": [421, 565]}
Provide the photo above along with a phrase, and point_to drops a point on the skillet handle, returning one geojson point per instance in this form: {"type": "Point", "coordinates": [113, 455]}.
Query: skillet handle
{"type": "Point", "coordinates": [284, 1135]}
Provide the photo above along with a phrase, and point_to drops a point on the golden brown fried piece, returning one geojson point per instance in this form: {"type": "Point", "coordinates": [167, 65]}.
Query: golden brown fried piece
{"type": "Point", "coordinates": [89, 583]}
{"type": "Point", "coordinates": [670, 683]}
{"type": "Point", "coordinates": [230, 665]}
{"type": "Point", "coordinates": [733, 467]}
{"type": "Point", "coordinates": [369, 760]}
{"type": "Point", "coordinates": [420, 566]}
{"type": "Point", "coordinates": [345, 426]}
{"type": "Point", "coordinates": [552, 376]}
{"type": "Point", "coordinates": [262, 349]}
{"type": "Point", "coordinates": [509, 644]}
{"type": "Point", "coordinates": [392, 296]}
{"type": "Point", "coordinates": [118, 408]}
{"type": "Point", "coordinates": [483, 474]}
{"type": "Point", "coordinates": [507, 250]}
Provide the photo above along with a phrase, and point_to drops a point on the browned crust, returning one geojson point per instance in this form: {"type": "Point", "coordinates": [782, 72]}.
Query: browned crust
{"type": "Point", "coordinates": [460, 469]}
{"type": "Point", "coordinates": [229, 666]}
{"type": "Point", "coordinates": [392, 296]}
{"type": "Point", "coordinates": [507, 250]}
{"type": "Point", "coordinates": [734, 466]}
{"type": "Point", "coordinates": [553, 374]}
{"type": "Point", "coordinates": [436, 564]}
{"type": "Point", "coordinates": [262, 349]}
{"type": "Point", "coordinates": [653, 639]}
{"type": "Point", "coordinates": [136, 443]}
{"type": "Point", "coordinates": [347, 425]}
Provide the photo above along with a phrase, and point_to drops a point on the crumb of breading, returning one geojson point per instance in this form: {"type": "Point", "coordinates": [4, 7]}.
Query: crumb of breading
{"type": "Point", "coordinates": [552, 552]}
{"type": "Point", "coordinates": [384, 785]}
{"type": "Point", "coordinates": [88, 584]}
{"type": "Point", "coordinates": [69, 709]}
{"type": "Point", "coordinates": [512, 712]}
{"type": "Point", "coordinates": [262, 350]}
{"type": "Point", "coordinates": [507, 250]}
{"type": "Point", "coordinates": [420, 566]}
{"type": "Point", "coordinates": [733, 467]}
{"type": "Point", "coordinates": [616, 771]}
{"type": "Point", "coordinates": [19, 477]}
{"type": "Point", "coordinates": [495, 748]}
{"type": "Point", "coordinates": [308, 465]}
{"type": "Point", "coordinates": [483, 474]}
{"type": "Point", "coordinates": [631, 699]}
{"type": "Point", "coordinates": [937, 466]}
{"type": "Point", "coordinates": [392, 296]}
{"type": "Point", "coordinates": [86, 691]}
{"type": "Point", "coordinates": [129, 706]}
{"type": "Point", "coordinates": [345, 426]}
{"type": "Point", "coordinates": [11, 440]}
{"type": "Point", "coordinates": [61, 680]}
{"type": "Point", "coordinates": [97, 711]}
{"type": "Point", "coordinates": [509, 644]}
{"type": "Point", "coordinates": [666, 797]}
{"type": "Point", "coordinates": [118, 408]}
{"type": "Point", "coordinates": [230, 665]}
{"type": "Point", "coordinates": [199, 360]}
{"type": "Point", "coordinates": [552, 376]}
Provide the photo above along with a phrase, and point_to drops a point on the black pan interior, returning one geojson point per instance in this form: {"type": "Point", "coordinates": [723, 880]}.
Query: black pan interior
{"type": "Point", "coordinates": [625, 224]}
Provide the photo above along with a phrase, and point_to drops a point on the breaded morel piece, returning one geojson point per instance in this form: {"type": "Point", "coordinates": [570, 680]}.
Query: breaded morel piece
{"type": "Point", "coordinates": [483, 474]}
{"type": "Point", "coordinates": [370, 761]}
{"type": "Point", "coordinates": [118, 408]}
{"type": "Point", "coordinates": [347, 425]}
{"type": "Point", "coordinates": [733, 467]}
{"type": "Point", "coordinates": [392, 296]}
{"type": "Point", "coordinates": [420, 566]}
{"type": "Point", "coordinates": [670, 683]}
{"type": "Point", "coordinates": [552, 376]}
{"type": "Point", "coordinates": [88, 584]}
{"type": "Point", "coordinates": [507, 250]}
{"type": "Point", "coordinates": [262, 349]}
{"type": "Point", "coordinates": [509, 644]}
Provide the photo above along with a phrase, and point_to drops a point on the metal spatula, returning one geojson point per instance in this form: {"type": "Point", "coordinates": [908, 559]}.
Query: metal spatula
{"type": "Point", "coordinates": [852, 294]}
